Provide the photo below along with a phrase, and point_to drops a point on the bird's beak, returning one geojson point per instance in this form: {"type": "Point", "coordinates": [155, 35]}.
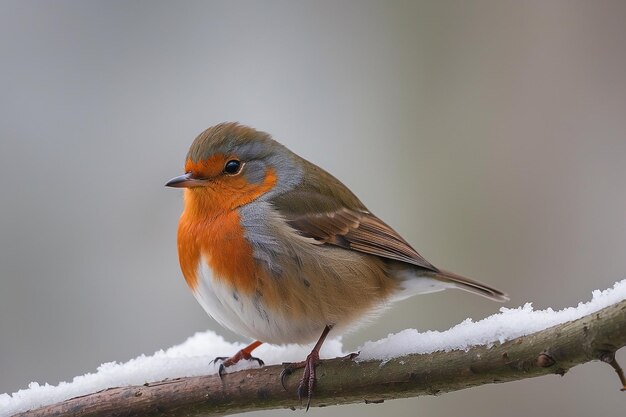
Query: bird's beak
{"type": "Point", "coordinates": [185, 181]}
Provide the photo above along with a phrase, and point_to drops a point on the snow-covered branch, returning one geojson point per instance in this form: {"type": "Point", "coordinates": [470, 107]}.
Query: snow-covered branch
{"type": "Point", "coordinates": [512, 345]}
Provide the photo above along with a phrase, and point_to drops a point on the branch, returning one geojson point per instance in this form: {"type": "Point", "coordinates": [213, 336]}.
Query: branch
{"type": "Point", "coordinates": [343, 381]}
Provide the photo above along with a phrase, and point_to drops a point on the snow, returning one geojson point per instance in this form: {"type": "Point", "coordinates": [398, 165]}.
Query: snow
{"type": "Point", "coordinates": [193, 357]}
{"type": "Point", "coordinates": [508, 324]}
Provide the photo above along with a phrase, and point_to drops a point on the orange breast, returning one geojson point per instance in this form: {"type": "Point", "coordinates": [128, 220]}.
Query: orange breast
{"type": "Point", "coordinates": [222, 243]}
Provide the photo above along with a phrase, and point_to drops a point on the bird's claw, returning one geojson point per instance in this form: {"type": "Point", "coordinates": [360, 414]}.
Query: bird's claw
{"type": "Point", "coordinates": [218, 359]}
{"type": "Point", "coordinates": [307, 382]}
{"type": "Point", "coordinates": [285, 373]}
{"type": "Point", "coordinates": [226, 362]}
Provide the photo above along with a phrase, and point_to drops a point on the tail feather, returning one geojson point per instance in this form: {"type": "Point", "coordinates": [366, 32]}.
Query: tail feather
{"type": "Point", "coordinates": [470, 285]}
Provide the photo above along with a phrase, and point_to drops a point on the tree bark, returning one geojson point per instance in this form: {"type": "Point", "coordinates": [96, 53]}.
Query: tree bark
{"type": "Point", "coordinates": [343, 381]}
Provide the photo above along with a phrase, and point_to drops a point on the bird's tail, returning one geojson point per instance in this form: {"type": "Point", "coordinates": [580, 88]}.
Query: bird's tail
{"type": "Point", "coordinates": [469, 285]}
{"type": "Point", "coordinates": [415, 280]}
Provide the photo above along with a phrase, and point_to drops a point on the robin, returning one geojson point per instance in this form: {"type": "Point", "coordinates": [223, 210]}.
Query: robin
{"type": "Point", "coordinates": [280, 251]}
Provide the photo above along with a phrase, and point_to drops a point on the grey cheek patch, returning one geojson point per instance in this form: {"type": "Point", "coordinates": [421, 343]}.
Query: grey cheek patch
{"type": "Point", "coordinates": [254, 171]}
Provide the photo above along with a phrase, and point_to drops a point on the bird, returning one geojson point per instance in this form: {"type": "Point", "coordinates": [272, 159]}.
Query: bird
{"type": "Point", "coordinates": [278, 250]}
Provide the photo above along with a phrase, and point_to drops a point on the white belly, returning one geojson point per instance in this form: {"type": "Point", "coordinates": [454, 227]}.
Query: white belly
{"type": "Point", "coordinates": [247, 315]}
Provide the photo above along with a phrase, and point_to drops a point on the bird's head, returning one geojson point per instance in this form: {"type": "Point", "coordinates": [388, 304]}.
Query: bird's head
{"type": "Point", "coordinates": [230, 165]}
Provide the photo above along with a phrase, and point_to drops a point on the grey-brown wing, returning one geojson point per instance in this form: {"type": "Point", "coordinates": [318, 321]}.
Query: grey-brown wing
{"type": "Point", "coordinates": [322, 208]}
{"type": "Point", "coordinates": [360, 231]}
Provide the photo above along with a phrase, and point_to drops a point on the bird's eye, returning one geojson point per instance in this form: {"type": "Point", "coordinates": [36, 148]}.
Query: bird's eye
{"type": "Point", "coordinates": [232, 167]}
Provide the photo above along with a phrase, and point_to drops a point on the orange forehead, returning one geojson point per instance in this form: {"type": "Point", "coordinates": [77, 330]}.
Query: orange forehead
{"type": "Point", "coordinates": [208, 168]}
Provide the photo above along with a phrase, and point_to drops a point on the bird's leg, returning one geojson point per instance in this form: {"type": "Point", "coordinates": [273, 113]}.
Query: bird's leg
{"type": "Point", "coordinates": [307, 382]}
{"type": "Point", "coordinates": [244, 353]}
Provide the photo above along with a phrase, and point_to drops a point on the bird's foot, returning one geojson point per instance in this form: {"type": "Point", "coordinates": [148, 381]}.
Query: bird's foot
{"type": "Point", "coordinates": [307, 382]}
{"type": "Point", "coordinates": [225, 362]}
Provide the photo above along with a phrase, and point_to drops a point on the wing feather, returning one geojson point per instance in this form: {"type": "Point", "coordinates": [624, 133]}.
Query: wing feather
{"type": "Point", "coordinates": [360, 231]}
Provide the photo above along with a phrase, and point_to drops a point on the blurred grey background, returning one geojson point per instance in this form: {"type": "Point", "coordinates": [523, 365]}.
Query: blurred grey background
{"type": "Point", "coordinates": [492, 134]}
